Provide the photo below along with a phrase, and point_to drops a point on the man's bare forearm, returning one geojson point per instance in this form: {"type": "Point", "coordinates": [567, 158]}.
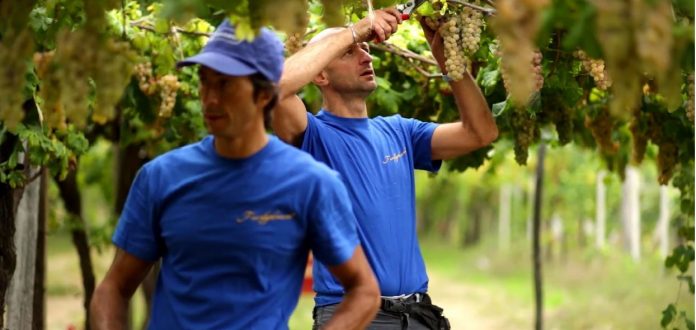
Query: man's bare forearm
{"type": "Point", "coordinates": [108, 309]}
{"type": "Point", "coordinates": [473, 108]}
{"type": "Point", "coordinates": [357, 310]}
{"type": "Point", "coordinates": [306, 64]}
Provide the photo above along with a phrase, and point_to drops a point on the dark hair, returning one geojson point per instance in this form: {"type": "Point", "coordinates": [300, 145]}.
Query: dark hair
{"type": "Point", "coordinates": [261, 83]}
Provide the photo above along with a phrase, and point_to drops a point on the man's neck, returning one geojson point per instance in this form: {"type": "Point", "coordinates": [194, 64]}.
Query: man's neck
{"type": "Point", "coordinates": [242, 146]}
{"type": "Point", "coordinates": [348, 106]}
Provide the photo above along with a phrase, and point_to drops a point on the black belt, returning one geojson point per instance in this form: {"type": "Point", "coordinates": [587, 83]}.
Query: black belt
{"type": "Point", "coordinates": [399, 304]}
{"type": "Point", "coordinates": [418, 306]}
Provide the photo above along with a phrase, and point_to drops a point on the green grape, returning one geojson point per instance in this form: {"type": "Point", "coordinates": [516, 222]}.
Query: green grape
{"type": "Point", "coordinates": [333, 12]}
{"type": "Point", "coordinates": [525, 131]}
{"type": "Point", "coordinates": [455, 60]}
{"type": "Point", "coordinates": [615, 35]}
{"type": "Point", "coordinates": [111, 76]}
{"type": "Point", "coordinates": [595, 67]}
{"type": "Point", "coordinates": [690, 98]}
{"type": "Point", "coordinates": [169, 85]}
{"type": "Point", "coordinates": [601, 126]}
{"type": "Point", "coordinates": [516, 24]}
{"type": "Point", "coordinates": [472, 24]}
{"type": "Point", "coordinates": [639, 141]}
{"type": "Point", "coordinates": [15, 50]}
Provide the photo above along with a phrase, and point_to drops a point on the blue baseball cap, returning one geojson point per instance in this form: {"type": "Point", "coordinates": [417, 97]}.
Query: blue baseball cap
{"type": "Point", "coordinates": [228, 55]}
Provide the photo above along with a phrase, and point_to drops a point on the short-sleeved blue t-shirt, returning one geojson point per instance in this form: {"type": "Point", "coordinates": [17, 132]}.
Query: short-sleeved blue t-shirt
{"type": "Point", "coordinates": [376, 159]}
{"type": "Point", "coordinates": [234, 234]}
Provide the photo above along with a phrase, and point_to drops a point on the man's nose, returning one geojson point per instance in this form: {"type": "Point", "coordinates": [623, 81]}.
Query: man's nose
{"type": "Point", "coordinates": [211, 98]}
{"type": "Point", "coordinates": [365, 57]}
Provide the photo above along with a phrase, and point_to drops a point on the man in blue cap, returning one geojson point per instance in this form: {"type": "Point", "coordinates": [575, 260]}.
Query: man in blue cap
{"type": "Point", "coordinates": [234, 216]}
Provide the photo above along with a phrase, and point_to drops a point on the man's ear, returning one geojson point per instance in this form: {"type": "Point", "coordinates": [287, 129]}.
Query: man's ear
{"type": "Point", "coordinates": [264, 97]}
{"type": "Point", "coordinates": [321, 79]}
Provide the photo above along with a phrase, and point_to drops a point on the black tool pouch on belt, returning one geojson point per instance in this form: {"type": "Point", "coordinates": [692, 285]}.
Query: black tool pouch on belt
{"type": "Point", "coordinates": [423, 311]}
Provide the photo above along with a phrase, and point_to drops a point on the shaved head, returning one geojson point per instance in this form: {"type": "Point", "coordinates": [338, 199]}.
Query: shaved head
{"type": "Point", "coordinates": [324, 34]}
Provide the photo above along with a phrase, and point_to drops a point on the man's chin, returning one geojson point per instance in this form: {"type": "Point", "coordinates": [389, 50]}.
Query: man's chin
{"type": "Point", "coordinates": [370, 87]}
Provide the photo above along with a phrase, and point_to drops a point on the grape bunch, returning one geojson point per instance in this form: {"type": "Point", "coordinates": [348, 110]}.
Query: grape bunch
{"type": "Point", "coordinates": [595, 67]}
{"type": "Point", "coordinates": [169, 85]}
{"type": "Point", "coordinates": [690, 98]}
{"type": "Point", "coordinates": [667, 156]}
{"type": "Point", "coordinates": [639, 141]}
{"type": "Point", "coordinates": [333, 12]}
{"type": "Point", "coordinates": [472, 24]}
{"type": "Point", "coordinates": [538, 75]}
{"type": "Point", "coordinates": [146, 81]}
{"type": "Point", "coordinates": [666, 161]}
{"type": "Point", "coordinates": [111, 76]}
{"type": "Point", "coordinates": [294, 42]}
{"type": "Point", "coordinates": [558, 112]}
{"type": "Point", "coordinates": [51, 109]}
{"type": "Point", "coordinates": [49, 92]}
{"type": "Point", "coordinates": [516, 24]}
{"type": "Point", "coordinates": [653, 35]}
{"type": "Point", "coordinates": [14, 51]}
{"type": "Point", "coordinates": [615, 35]}
{"type": "Point", "coordinates": [525, 129]}
{"type": "Point", "coordinates": [522, 77]}
{"type": "Point", "coordinates": [75, 56]}
{"type": "Point", "coordinates": [297, 30]}
{"type": "Point", "coordinates": [455, 61]}
{"type": "Point", "coordinates": [601, 126]}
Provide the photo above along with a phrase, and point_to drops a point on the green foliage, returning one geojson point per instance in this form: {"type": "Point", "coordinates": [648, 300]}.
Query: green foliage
{"type": "Point", "coordinates": [163, 32]}
{"type": "Point", "coordinates": [682, 256]}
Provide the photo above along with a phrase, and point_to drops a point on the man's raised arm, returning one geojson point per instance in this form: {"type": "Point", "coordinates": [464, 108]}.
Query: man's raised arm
{"type": "Point", "coordinates": [290, 115]}
{"type": "Point", "coordinates": [477, 127]}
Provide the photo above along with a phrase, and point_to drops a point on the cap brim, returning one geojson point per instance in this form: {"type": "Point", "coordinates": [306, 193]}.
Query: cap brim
{"type": "Point", "coordinates": [223, 64]}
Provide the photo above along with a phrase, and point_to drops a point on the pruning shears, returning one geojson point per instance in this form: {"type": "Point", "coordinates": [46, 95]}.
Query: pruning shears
{"type": "Point", "coordinates": [409, 6]}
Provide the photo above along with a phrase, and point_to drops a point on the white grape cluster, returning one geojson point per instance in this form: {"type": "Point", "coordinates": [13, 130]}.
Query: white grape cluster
{"type": "Point", "coordinates": [596, 69]}
{"type": "Point", "coordinates": [455, 61]}
{"type": "Point", "coordinates": [294, 42]}
{"type": "Point", "coordinates": [111, 77]}
{"type": "Point", "coordinates": [653, 35]}
{"type": "Point", "coordinates": [690, 98]}
{"type": "Point", "coordinates": [538, 75]}
{"type": "Point", "coordinates": [520, 68]}
{"type": "Point", "coordinates": [146, 82]}
{"type": "Point", "coordinates": [13, 55]}
{"type": "Point", "coordinates": [472, 25]}
{"type": "Point", "coordinates": [76, 56]}
{"type": "Point", "coordinates": [169, 84]}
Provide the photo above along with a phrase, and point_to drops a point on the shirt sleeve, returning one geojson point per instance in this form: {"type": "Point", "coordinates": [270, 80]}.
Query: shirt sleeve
{"type": "Point", "coordinates": [421, 139]}
{"type": "Point", "coordinates": [332, 226]}
{"type": "Point", "coordinates": [310, 134]}
{"type": "Point", "coordinates": [137, 230]}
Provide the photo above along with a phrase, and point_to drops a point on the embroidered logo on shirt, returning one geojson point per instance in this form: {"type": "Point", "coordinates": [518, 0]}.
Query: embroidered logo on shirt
{"type": "Point", "coordinates": [394, 158]}
{"type": "Point", "coordinates": [265, 218]}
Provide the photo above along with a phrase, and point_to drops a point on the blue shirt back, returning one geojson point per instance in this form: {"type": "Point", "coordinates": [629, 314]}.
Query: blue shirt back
{"type": "Point", "coordinates": [376, 158]}
{"type": "Point", "coordinates": [234, 235]}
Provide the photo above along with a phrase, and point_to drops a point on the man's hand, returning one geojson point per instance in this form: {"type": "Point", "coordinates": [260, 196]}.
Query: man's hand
{"type": "Point", "coordinates": [386, 22]}
{"type": "Point", "coordinates": [436, 43]}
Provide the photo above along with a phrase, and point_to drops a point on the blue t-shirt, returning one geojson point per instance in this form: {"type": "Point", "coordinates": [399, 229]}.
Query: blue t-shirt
{"type": "Point", "coordinates": [234, 234]}
{"type": "Point", "coordinates": [376, 158]}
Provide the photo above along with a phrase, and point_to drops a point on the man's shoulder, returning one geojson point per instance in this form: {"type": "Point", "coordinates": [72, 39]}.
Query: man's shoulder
{"type": "Point", "coordinates": [393, 121]}
{"type": "Point", "coordinates": [298, 160]}
{"type": "Point", "coordinates": [179, 156]}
